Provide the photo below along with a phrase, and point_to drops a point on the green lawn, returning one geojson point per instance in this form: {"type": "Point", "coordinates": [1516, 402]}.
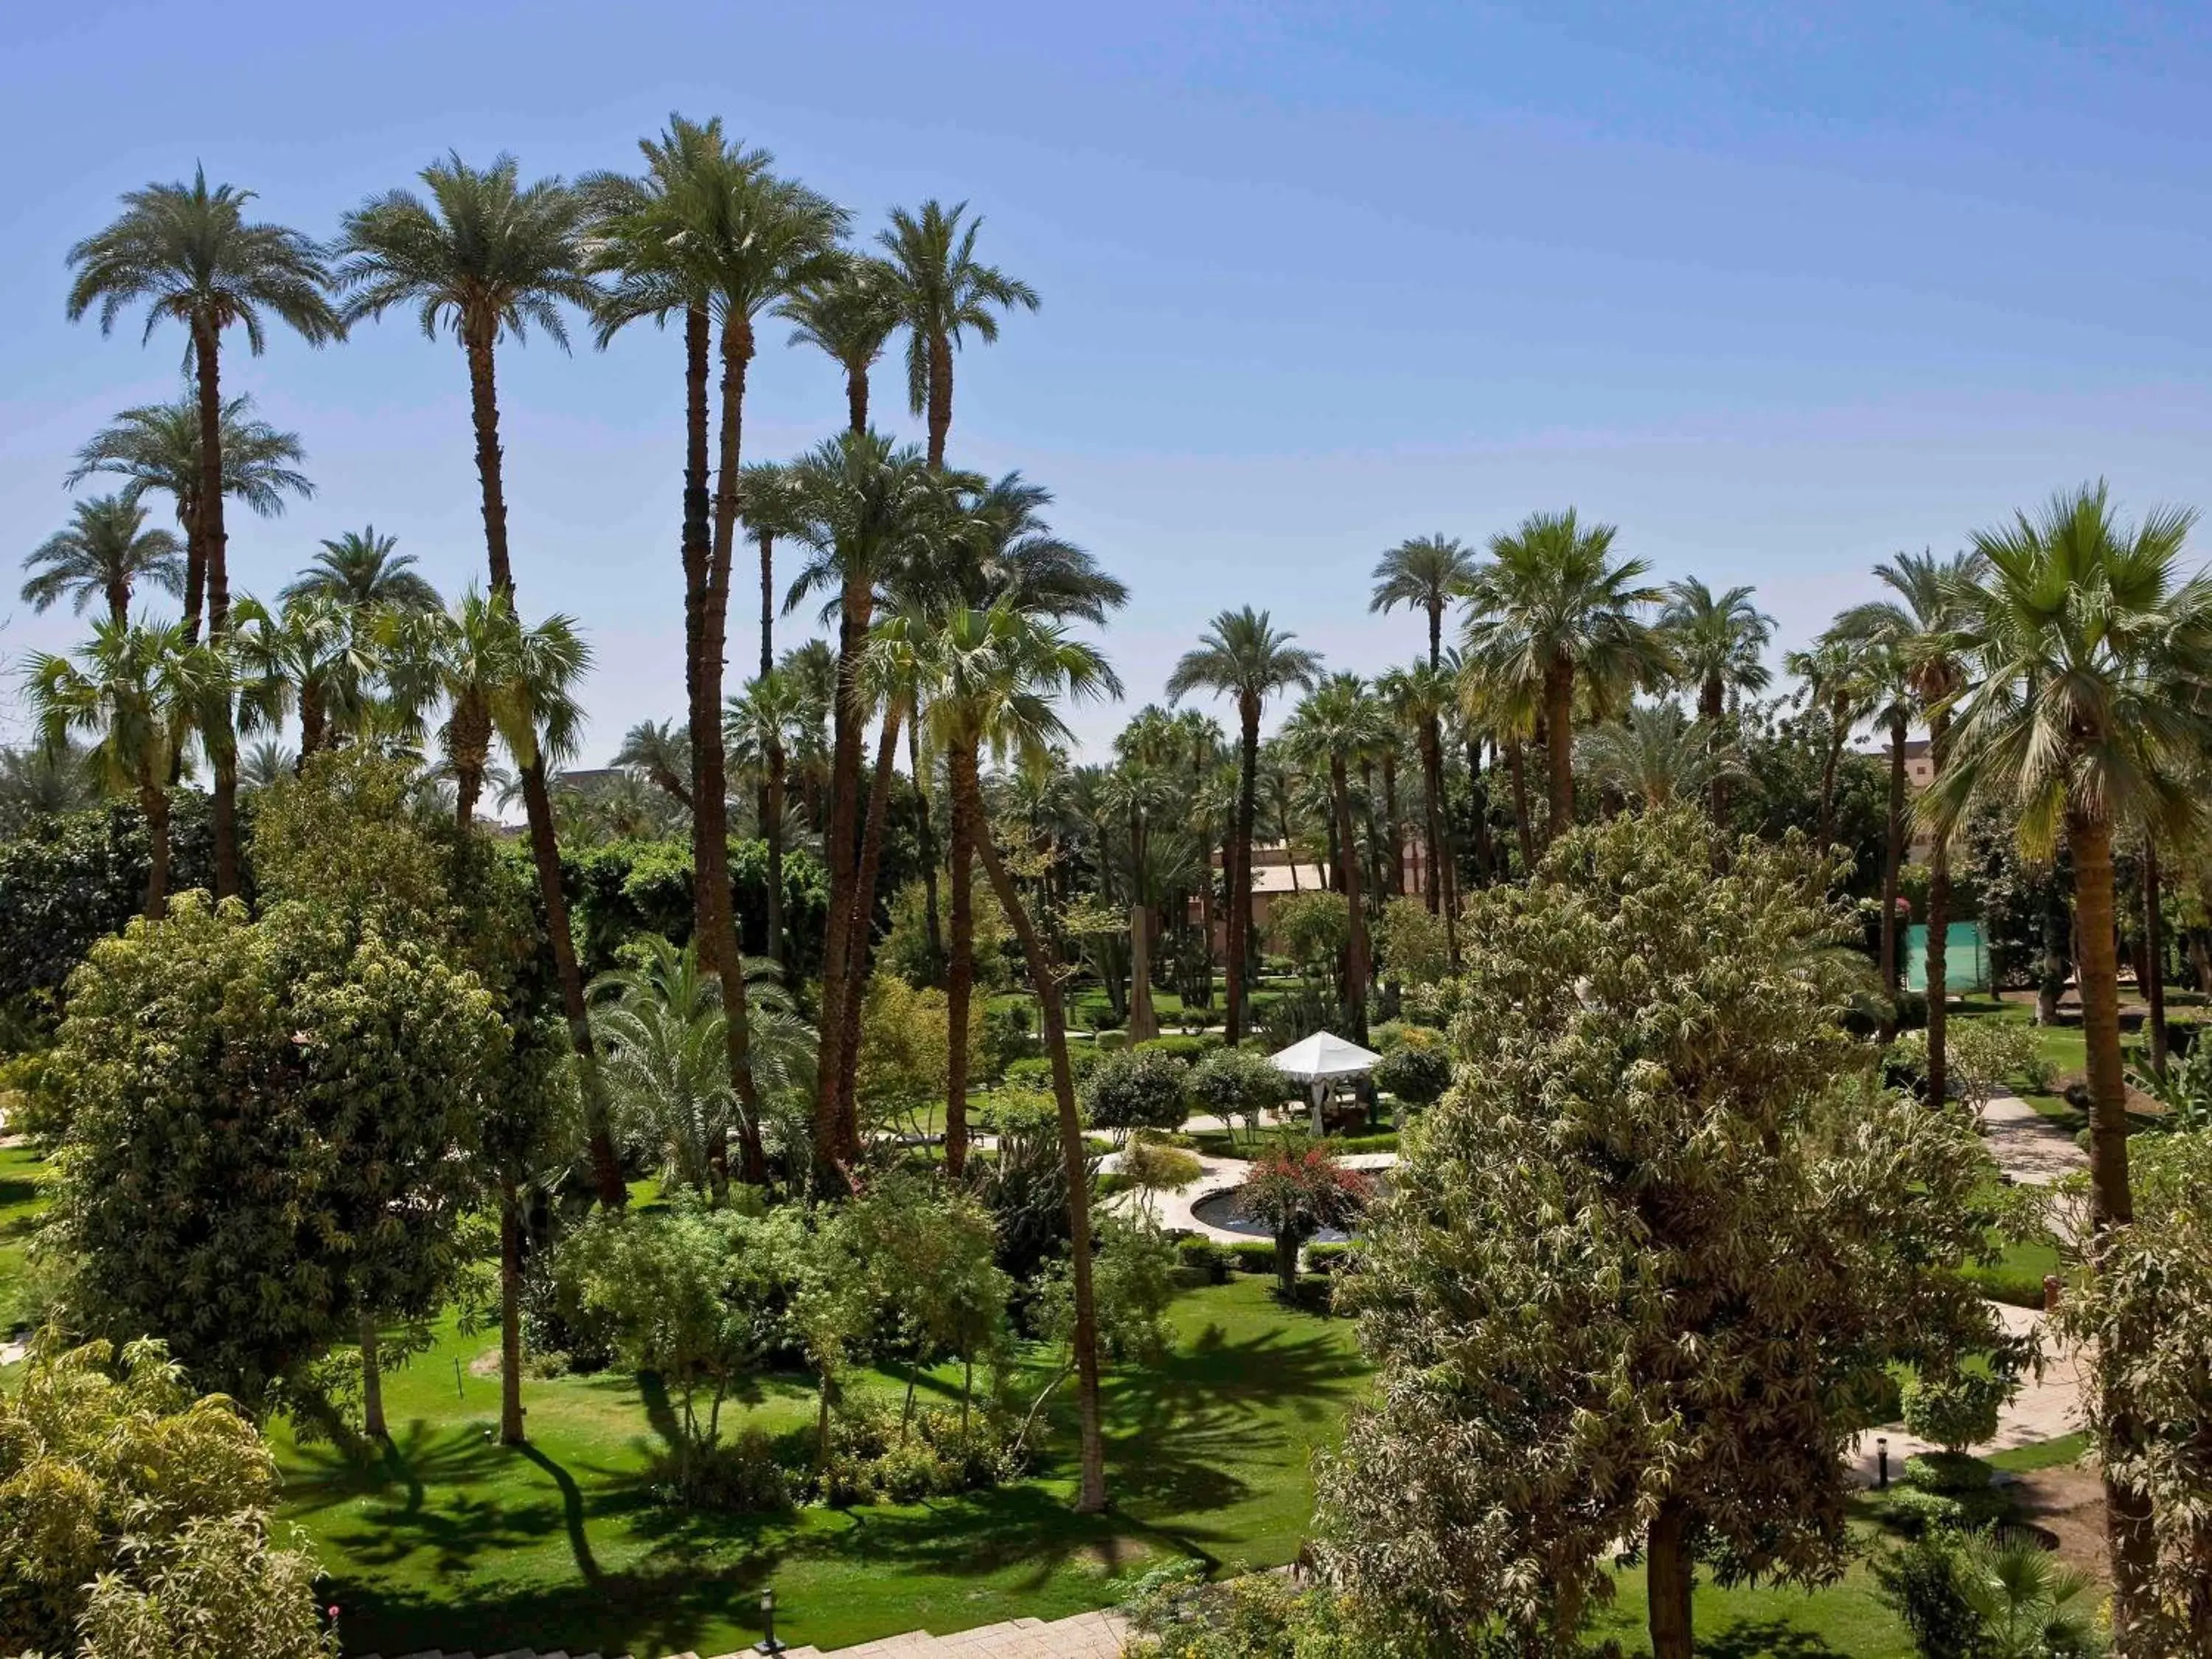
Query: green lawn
{"type": "Point", "coordinates": [1846, 1618]}
{"type": "Point", "coordinates": [454, 1541]}
{"type": "Point", "coordinates": [22, 1201]}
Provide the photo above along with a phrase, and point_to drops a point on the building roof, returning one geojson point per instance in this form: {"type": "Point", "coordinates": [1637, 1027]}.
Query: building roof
{"type": "Point", "coordinates": [1277, 879]}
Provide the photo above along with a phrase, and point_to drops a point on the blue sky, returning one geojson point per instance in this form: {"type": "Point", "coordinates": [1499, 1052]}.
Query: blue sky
{"type": "Point", "coordinates": [1780, 288]}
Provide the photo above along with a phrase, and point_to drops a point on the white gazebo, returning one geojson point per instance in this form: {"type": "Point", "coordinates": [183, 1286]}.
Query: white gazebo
{"type": "Point", "coordinates": [1319, 1060]}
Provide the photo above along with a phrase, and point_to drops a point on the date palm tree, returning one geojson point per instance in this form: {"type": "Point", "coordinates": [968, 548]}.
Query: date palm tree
{"type": "Point", "coordinates": [1717, 640]}
{"type": "Point", "coordinates": [662, 752]}
{"type": "Point", "coordinates": [1657, 755]}
{"type": "Point", "coordinates": [39, 781]}
{"type": "Point", "coordinates": [157, 447]}
{"type": "Point", "coordinates": [1332, 731]}
{"type": "Point", "coordinates": [1243, 655]}
{"type": "Point", "coordinates": [312, 656]}
{"type": "Point", "coordinates": [486, 258]}
{"type": "Point", "coordinates": [1418, 697]}
{"type": "Point", "coordinates": [771, 514]}
{"type": "Point", "coordinates": [1928, 632]}
{"type": "Point", "coordinates": [759, 726]}
{"type": "Point", "coordinates": [942, 292]}
{"type": "Point", "coordinates": [107, 553]}
{"type": "Point", "coordinates": [1551, 612]}
{"type": "Point", "coordinates": [139, 691]}
{"type": "Point", "coordinates": [363, 570]}
{"type": "Point", "coordinates": [1429, 573]}
{"type": "Point", "coordinates": [1838, 676]}
{"type": "Point", "coordinates": [191, 256]}
{"type": "Point", "coordinates": [990, 679]}
{"type": "Point", "coordinates": [2086, 713]}
{"type": "Point", "coordinates": [847, 314]}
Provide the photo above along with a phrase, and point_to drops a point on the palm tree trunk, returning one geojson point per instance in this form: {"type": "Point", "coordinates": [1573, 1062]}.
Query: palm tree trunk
{"type": "Point", "coordinates": [941, 397]}
{"type": "Point", "coordinates": [1669, 1582]}
{"type": "Point", "coordinates": [153, 802]}
{"type": "Point", "coordinates": [1237, 888]}
{"type": "Point", "coordinates": [372, 1382]}
{"type": "Point", "coordinates": [207, 365]}
{"type": "Point", "coordinates": [1517, 764]}
{"type": "Point", "coordinates": [545, 856]}
{"type": "Point", "coordinates": [1436, 636]}
{"type": "Point", "coordinates": [960, 979]}
{"type": "Point", "coordinates": [1431, 820]}
{"type": "Point", "coordinates": [1560, 750]}
{"type": "Point", "coordinates": [1838, 732]}
{"type": "Point", "coordinates": [696, 551]}
{"type": "Point", "coordinates": [862, 936]}
{"type": "Point", "coordinates": [1355, 966]}
{"type": "Point", "coordinates": [483, 415]}
{"type": "Point", "coordinates": [1091, 1491]}
{"type": "Point", "coordinates": [773, 825]}
{"type": "Point", "coordinates": [2129, 1542]}
{"type": "Point", "coordinates": [510, 1314]}
{"type": "Point", "coordinates": [719, 949]}
{"type": "Point", "coordinates": [768, 601]}
{"type": "Point", "coordinates": [844, 905]}
{"type": "Point", "coordinates": [856, 400]}
{"type": "Point", "coordinates": [118, 602]}
{"type": "Point", "coordinates": [1939, 928]}
{"type": "Point", "coordinates": [926, 841]}
{"type": "Point", "coordinates": [1893, 961]}
{"type": "Point", "coordinates": [1392, 831]}
{"type": "Point", "coordinates": [1144, 1022]}
{"type": "Point", "coordinates": [2155, 956]}
{"type": "Point", "coordinates": [312, 725]}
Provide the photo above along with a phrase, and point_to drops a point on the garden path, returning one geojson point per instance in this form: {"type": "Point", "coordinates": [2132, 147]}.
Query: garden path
{"type": "Point", "coordinates": [2030, 1150]}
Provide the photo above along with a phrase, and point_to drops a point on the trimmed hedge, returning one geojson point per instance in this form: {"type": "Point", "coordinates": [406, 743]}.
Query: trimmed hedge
{"type": "Point", "coordinates": [1254, 1256]}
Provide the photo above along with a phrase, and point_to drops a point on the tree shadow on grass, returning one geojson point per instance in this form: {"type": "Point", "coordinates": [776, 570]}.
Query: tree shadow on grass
{"type": "Point", "coordinates": [421, 1455]}
{"type": "Point", "coordinates": [1766, 1638]}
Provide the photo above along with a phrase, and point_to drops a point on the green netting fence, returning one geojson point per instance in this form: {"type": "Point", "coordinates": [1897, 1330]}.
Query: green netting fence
{"type": "Point", "coordinates": [1965, 958]}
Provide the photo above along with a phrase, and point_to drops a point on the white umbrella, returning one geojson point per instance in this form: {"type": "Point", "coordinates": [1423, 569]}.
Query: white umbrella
{"type": "Point", "coordinates": [1320, 1058]}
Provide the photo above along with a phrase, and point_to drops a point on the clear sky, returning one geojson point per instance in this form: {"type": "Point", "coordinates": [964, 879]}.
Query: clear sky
{"type": "Point", "coordinates": [1779, 288]}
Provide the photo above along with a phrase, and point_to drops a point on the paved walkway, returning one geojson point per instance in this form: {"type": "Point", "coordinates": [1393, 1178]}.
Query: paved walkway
{"type": "Point", "coordinates": [1085, 1636]}
{"type": "Point", "coordinates": [1176, 1209]}
{"type": "Point", "coordinates": [2028, 1146]}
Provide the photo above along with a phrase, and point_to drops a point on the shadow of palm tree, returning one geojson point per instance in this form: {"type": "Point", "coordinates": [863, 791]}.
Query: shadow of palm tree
{"type": "Point", "coordinates": [1766, 1638]}
{"type": "Point", "coordinates": [420, 1454]}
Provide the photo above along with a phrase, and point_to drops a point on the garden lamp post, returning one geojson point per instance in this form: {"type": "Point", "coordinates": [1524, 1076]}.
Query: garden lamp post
{"type": "Point", "coordinates": [768, 1646]}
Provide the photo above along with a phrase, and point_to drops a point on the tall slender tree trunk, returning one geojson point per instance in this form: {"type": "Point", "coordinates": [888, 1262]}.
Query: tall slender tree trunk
{"type": "Point", "coordinates": [772, 824]}
{"type": "Point", "coordinates": [856, 400]}
{"type": "Point", "coordinates": [214, 538]}
{"type": "Point", "coordinates": [1517, 765]}
{"type": "Point", "coordinates": [1477, 802]}
{"type": "Point", "coordinates": [153, 802]}
{"type": "Point", "coordinates": [766, 602]}
{"type": "Point", "coordinates": [1393, 832]}
{"type": "Point", "coordinates": [941, 397]}
{"type": "Point", "coordinates": [1668, 1580]}
{"type": "Point", "coordinates": [118, 602]}
{"type": "Point", "coordinates": [188, 515]}
{"type": "Point", "coordinates": [510, 1314]}
{"type": "Point", "coordinates": [720, 950]}
{"type": "Point", "coordinates": [844, 816]}
{"type": "Point", "coordinates": [925, 837]}
{"type": "Point", "coordinates": [696, 550]}
{"type": "Point", "coordinates": [1837, 730]}
{"type": "Point", "coordinates": [372, 1382]}
{"type": "Point", "coordinates": [2050, 986]}
{"type": "Point", "coordinates": [1090, 1491]}
{"type": "Point", "coordinates": [1939, 929]}
{"type": "Point", "coordinates": [1713, 704]}
{"type": "Point", "coordinates": [1356, 965]}
{"type": "Point", "coordinates": [2154, 954]}
{"type": "Point", "coordinates": [862, 934]}
{"type": "Point", "coordinates": [1238, 887]}
{"type": "Point", "coordinates": [1560, 750]}
{"type": "Point", "coordinates": [960, 977]}
{"type": "Point", "coordinates": [2130, 1543]}
{"type": "Point", "coordinates": [1892, 960]}
{"type": "Point", "coordinates": [545, 844]}
{"type": "Point", "coordinates": [1144, 1021]}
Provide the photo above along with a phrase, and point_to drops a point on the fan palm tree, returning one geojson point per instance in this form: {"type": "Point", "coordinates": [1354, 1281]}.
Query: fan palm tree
{"type": "Point", "coordinates": [662, 752]}
{"type": "Point", "coordinates": [1333, 730]}
{"type": "Point", "coordinates": [847, 314]}
{"type": "Point", "coordinates": [1838, 676]}
{"type": "Point", "coordinates": [1428, 573]}
{"type": "Point", "coordinates": [990, 679]}
{"type": "Point", "coordinates": [1657, 755]}
{"type": "Point", "coordinates": [1928, 632]}
{"type": "Point", "coordinates": [1551, 609]}
{"type": "Point", "coordinates": [2029, 1602]}
{"type": "Point", "coordinates": [157, 447]}
{"type": "Point", "coordinates": [140, 692]}
{"type": "Point", "coordinates": [107, 553]}
{"type": "Point", "coordinates": [312, 656]}
{"type": "Point", "coordinates": [1244, 656]}
{"type": "Point", "coordinates": [362, 570]}
{"type": "Point", "coordinates": [2086, 713]}
{"type": "Point", "coordinates": [758, 727]}
{"type": "Point", "coordinates": [189, 254]}
{"type": "Point", "coordinates": [1717, 639]}
{"type": "Point", "coordinates": [940, 292]}
{"type": "Point", "coordinates": [486, 258]}
{"type": "Point", "coordinates": [1887, 691]}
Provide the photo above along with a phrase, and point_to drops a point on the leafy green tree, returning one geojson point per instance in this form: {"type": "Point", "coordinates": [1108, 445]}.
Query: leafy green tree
{"type": "Point", "coordinates": [1132, 1282]}
{"type": "Point", "coordinates": [134, 1515]}
{"type": "Point", "coordinates": [1298, 1188]}
{"type": "Point", "coordinates": [1137, 1089]}
{"type": "Point", "coordinates": [2087, 715]}
{"type": "Point", "coordinates": [1243, 655]}
{"type": "Point", "coordinates": [364, 572]}
{"type": "Point", "coordinates": [1642, 1272]}
{"type": "Point", "coordinates": [1838, 685]}
{"type": "Point", "coordinates": [157, 447]}
{"type": "Point", "coordinates": [905, 1051]}
{"type": "Point", "coordinates": [1419, 697]}
{"type": "Point", "coordinates": [1234, 1083]}
{"type": "Point", "coordinates": [667, 1075]}
{"type": "Point", "coordinates": [190, 255]}
{"type": "Point", "coordinates": [929, 1250]}
{"type": "Point", "coordinates": [107, 553]}
{"type": "Point", "coordinates": [1412, 941]}
{"type": "Point", "coordinates": [941, 292]}
{"type": "Point", "coordinates": [1416, 1067]}
{"type": "Point", "coordinates": [141, 693]}
{"type": "Point", "coordinates": [1551, 613]}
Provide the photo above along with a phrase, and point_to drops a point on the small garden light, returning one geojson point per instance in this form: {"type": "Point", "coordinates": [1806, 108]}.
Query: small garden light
{"type": "Point", "coordinates": [768, 1644]}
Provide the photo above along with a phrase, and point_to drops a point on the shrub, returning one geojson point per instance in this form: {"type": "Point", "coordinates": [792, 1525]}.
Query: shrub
{"type": "Point", "coordinates": [1952, 1473]}
{"type": "Point", "coordinates": [1254, 1256]}
{"type": "Point", "coordinates": [1330, 1258]}
{"type": "Point", "coordinates": [1922, 1582]}
{"type": "Point", "coordinates": [1385, 1141]}
{"type": "Point", "coordinates": [1957, 1411]}
{"type": "Point", "coordinates": [1006, 1037]}
{"type": "Point", "coordinates": [1141, 1088]}
{"type": "Point", "coordinates": [1915, 1510]}
{"type": "Point", "coordinates": [1418, 1070]}
{"type": "Point", "coordinates": [1151, 1167]}
{"type": "Point", "coordinates": [1187, 1046]}
{"type": "Point", "coordinates": [1409, 942]}
{"type": "Point", "coordinates": [1204, 1256]}
{"type": "Point", "coordinates": [1111, 1038]}
{"type": "Point", "coordinates": [1234, 1083]}
{"type": "Point", "coordinates": [737, 1477]}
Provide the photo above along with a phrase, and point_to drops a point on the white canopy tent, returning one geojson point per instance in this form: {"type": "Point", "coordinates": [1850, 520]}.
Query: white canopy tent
{"type": "Point", "coordinates": [1319, 1060]}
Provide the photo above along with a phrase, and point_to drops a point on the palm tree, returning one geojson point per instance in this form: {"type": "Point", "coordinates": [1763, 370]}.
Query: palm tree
{"type": "Point", "coordinates": [189, 254]}
{"type": "Point", "coordinates": [1418, 697]}
{"type": "Point", "coordinates": [847, 314]}
{"type": "Point", "coordinates": [312, 656]}
{"type": "Point", "coordinates": [940, 291]}
{"type": "Point", "coordinates": [486, 258]}
{"type": "Point", "coordinates": [661, 752]}
{"type": "Point", "coordinates": [1145, 785]}
{"type": "Point", "coordinates": [1658, 755]}
{"type": "Point", "coordinates": [1332, 731]}
{"type": "Point", "coordinates": [758, 726]}
{"type": "Point", "coordinates": [140, 692]}
{"type": "Point", "coordinates": [265, 765]}
{"type": "Point", "coordinates": [1838, 682]}
{"type": "Point", "coordinates": [41, 780]}
{"type": "Point", "coordinates": [771, 514]}
{"type": "Point", "coordinates": [1717, 639]}
{"type": "Point", "coordinates": [360, 569]}
{"type": "Point", "coordinates": [157, 447]}
{"type": "Point", "coordinates": [105, 553]}
{"type": "Point", "coordinates": [2029, 1602]}
{"type": "Point", "coordinates": [1550, 608]}
{"type": "Point", "coordinates": [1243, 655]}
{"type": "Point", "coordinates": [1428, 573]}
{"type": "Point", "coordinates": [1927, 631]}
{"type": "Point", "coordinates": [990, 678]}
{"type": "Point", "coordinates": [2088, 714]}
{"type": "Point", "coordinates": [668, 1074]}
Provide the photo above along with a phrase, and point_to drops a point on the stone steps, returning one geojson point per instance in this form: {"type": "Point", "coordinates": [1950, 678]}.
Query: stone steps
{"type": "Point", "coordinates": [1084, 1636]}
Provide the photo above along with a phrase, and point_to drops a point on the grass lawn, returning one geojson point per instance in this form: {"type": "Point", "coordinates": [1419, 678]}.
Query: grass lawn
{"type": "Point", "coordinates": [22, 1199]}
{"type": "Point", "coordinates": [1765, 1622]}
{"type": "Point", "coordinates": [454, 1541]}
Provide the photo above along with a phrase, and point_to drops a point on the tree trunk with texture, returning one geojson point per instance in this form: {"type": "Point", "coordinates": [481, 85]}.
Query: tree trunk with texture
{"type": "Point", "coordinates": [1237, 885]}
{"type": "Point", "coordinates": [1517, 766]}
{"type": "Point", "coordinates": [1939, 932]}
{"type": "Point", "coordinates": [1560, 750]}
{"type": "Point", "coordinates": [1828, 763]}
{"type": "Point", "coordinates": [854, 610]}
{"type": "Point", "coordinates": [960, 978]}
{"type": "Point", "coordinates": [856, 401]}
{"type": "Point", "coordinates": [1090, 1491]}
{"type": "Point", "coordinates": [774, 827]}
{"type": "Point", "coordinates": [510, 1315]}
{"type": "Point", "coordinates": [1393, 832]}
{"type": "Point", "coordinates": [925, 836]}
{"type": "Point", "coordinates": [371, 1382]}
{"type": "Point", "coordinates": [214, 539]}
{"type": "Point", "coordinates": [2153, 983]}
{"type": "Point", "coordinates": [940, 398]}
{"type": "Point", "coordinates": [1669, 1577]}
{"type": "Point", "coordinates": [1144, 1022]}
{"type": "Point", "coordinates": [2130, 1543]}
{"type": "Point", "coordinates": [847, 1118]}
{"type": "Point", "coordinates": [1355, 966]}
{"type": "Point", "coordinates": [1892, 960]}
